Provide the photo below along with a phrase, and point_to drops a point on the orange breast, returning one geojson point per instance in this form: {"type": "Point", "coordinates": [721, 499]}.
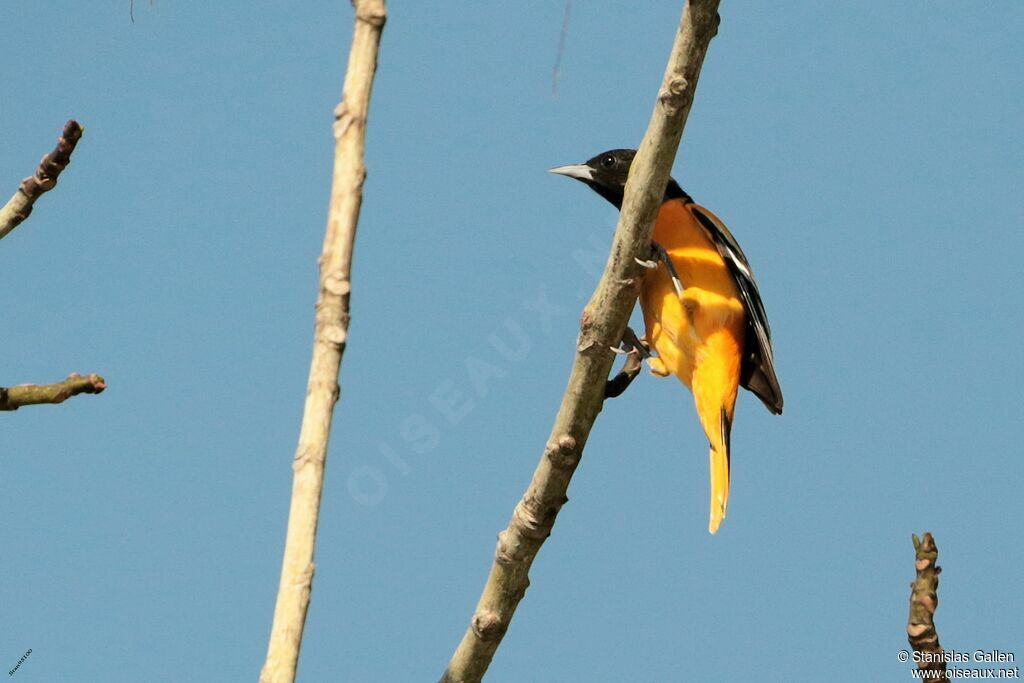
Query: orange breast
{"type": "Point", "coordinates": [711, 306]}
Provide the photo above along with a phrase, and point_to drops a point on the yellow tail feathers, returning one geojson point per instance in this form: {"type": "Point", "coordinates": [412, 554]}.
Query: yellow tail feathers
{"type": "Point", "coordinates": [719, 486]}
{"type": "Point", "coordinates": [715, 381]}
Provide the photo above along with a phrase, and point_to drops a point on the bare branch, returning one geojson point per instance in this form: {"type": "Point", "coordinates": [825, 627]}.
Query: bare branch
{"type": "Point", "coordinates": [12, 398]}
{"type": "Point", "coordinates": [924, 600]}
{"type": "Point", "coordinates": [603, 322]}
{"type": "Point", "coordinates": [329, 340]}
{"type": "Point", "coordinates": [19, 206]}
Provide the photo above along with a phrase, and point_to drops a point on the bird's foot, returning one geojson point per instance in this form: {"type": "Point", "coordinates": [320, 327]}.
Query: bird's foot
{"type": "Point", "coordinates": [635, 351]}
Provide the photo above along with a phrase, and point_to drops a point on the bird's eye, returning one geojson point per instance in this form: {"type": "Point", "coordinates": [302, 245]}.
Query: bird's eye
{"type": "Point", "coordinates": [607, 161]}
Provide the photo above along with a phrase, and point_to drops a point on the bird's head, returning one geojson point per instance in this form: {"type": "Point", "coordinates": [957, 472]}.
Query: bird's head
{"type": "Point", "coordinates": [605, 173]}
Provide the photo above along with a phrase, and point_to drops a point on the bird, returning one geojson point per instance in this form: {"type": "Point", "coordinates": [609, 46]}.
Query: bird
{"type": "Point", "coordinates": [702, 310]}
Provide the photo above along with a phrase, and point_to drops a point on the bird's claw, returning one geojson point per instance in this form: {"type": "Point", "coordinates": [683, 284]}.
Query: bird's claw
{"type": "Point", "coordinates": [635, 351]}
{"type": "Point", "coordinates": [649, 264]}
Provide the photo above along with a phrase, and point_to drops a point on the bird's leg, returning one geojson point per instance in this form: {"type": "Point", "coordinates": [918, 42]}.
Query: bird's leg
{"type": "Point", "coordinates": [663, 256]}
{"type": "Point", "coordinates": [638, 345]}
{"type": "Point", "coordinates": [630, 343]}
{"type": "Point", "coordinates": [635, 351]}
{"type": "Point", "coordinates": [658, 253]}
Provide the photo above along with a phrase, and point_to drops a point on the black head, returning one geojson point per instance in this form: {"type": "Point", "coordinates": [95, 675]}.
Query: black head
{"type": "Point", "coordinates": [606, 175]}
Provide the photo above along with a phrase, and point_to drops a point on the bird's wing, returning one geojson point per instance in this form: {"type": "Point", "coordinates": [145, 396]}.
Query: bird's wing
{"type": "Point", "coordinates": [758, 367]}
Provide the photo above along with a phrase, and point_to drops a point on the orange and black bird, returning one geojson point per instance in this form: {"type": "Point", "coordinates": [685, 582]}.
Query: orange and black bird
{"type": "Point", "coordinates": [702, 310]}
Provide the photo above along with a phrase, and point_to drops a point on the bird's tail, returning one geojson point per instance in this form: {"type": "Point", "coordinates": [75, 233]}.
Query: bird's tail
{"type": "Point", "coordinates": [719, 459]}
{"type": "Point", "coordinates": [715, 383]}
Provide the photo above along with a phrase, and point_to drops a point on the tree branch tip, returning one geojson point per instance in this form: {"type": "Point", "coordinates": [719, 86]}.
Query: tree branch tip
{"type": "Point", "coordinates": [924, 600]}
{"type": "Point", "coordinates": [73, 130]}
{"type": "Point", "coordinates": [13, 398]}
{"type": "Point", "coordinates": [95, 383]}
{"type": "Point", "coordinates": [925, 547]}
{"type": "Point", "coordinates": [42, 180]}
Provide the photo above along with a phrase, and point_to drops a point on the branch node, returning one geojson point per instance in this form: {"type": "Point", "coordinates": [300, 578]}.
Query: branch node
{"type": "Point", "coordinates": [507, 552]}
{"type": "Point", "coordinates": [487, 625]}
{"type": "Point", "coordinates": [337, 284]}
{"type": "Point", "coordinates": [675, 95]}
{"type": "Point", "coordinates": [529, 514]}
{"type": "Point", "coordinates": [345, 118]}
{"type": "Point", "coordinates": [563, 454]}
{"type": "Point", "coordinates": [334, 334]}
{"type": "Point", "coordinates": [372, 13]}
{"type": "Point", "coordinates": [305, 455]}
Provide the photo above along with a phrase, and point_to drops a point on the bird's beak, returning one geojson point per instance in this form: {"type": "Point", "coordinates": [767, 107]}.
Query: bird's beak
{"type": "Point", "coordinates": [577, 171]}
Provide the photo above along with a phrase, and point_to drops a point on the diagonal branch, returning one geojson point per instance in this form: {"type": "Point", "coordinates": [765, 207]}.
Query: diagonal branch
{"type": "Point", "coordinates": [329, 338]}
{"type": "Point", "coordinates": [19, 206]}
{"type": "Point", "coordinates": [924, 600]}
{"type": "Point", "coordinates": [12, 398]}
{"type": "Point", "coordinates": [603, 322]}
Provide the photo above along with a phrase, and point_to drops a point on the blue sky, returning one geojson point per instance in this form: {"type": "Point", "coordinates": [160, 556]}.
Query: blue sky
{"type": "Point", "coordinates": [867, 157]}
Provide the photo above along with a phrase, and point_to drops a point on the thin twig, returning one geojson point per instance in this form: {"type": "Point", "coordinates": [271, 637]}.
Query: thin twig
{"type": "Point", "coordinates": [924, 600]}
{"type": "Point", "coordinates": [329, 340]}
{"type": "Point", "coordinates": [12, 214]}
{"type": "Point", "coordinates": [131, 9]}
{"type": "Point", "coordinates": [12, 398]}
{"type": "Point", "coordinates": [603, 322]}
{"type": "Point", "coordinates": [557, 71]}
{"type": "Point", "coordinates": [19, 206]}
